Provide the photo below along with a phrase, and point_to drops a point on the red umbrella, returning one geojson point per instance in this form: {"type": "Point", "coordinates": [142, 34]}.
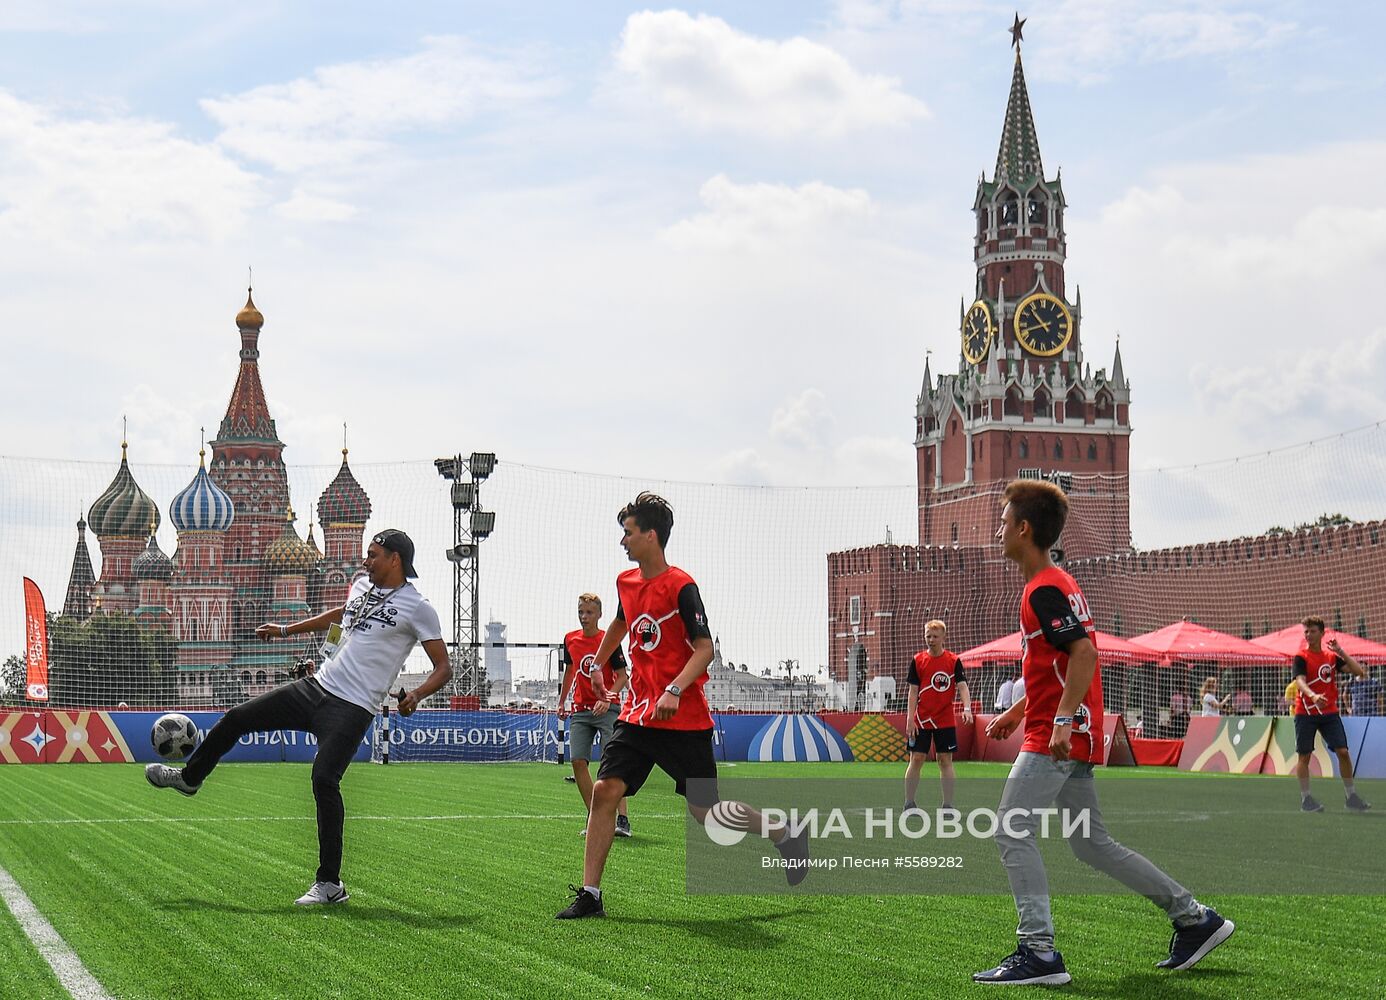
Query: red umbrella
{"type": "Point", "coordinates": [1290, 641]}
{"type": "Point", "coordinates": [1188, 641]}
{"type": "Point", "coordinates": [1008, 648]}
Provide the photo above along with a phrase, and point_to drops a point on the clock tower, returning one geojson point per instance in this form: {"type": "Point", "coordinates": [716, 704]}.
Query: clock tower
{"type": "Point", "coordinates": [1024, 402]}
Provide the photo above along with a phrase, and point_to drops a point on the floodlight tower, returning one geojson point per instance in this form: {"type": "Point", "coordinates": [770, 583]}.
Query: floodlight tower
{"type": "Point", "coordinates": [470, 527]}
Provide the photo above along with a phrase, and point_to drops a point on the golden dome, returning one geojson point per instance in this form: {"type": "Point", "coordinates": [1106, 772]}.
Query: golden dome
{"type": "Point", "coordinates": [249, 318]}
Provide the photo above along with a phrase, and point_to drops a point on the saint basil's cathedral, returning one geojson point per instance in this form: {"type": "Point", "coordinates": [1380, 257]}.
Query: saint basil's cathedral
{"type": "Point", "coordinates": [239, 562]}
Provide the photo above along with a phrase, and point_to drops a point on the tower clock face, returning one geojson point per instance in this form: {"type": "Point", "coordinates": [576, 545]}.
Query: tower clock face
{"type": "Point", "coordinates": [978, 329]}
{"type": "Point", "coordinates": [1043, 324]}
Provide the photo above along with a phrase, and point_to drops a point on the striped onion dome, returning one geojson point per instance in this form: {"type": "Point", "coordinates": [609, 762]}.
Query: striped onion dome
{"type": "Point", "coordinates": [202, 505]}
{"type": "Point", "coordinates": [123, 510]}
{"type": "Point", "coordinates": [344, 501]}
{"type": "Point", "coordinates": [152, 564]}
{"type": "Point", "coordinates": [288, 553]}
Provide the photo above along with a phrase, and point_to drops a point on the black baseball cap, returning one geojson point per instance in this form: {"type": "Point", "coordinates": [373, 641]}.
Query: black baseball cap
{"type": "Point", "coordinates": [398, 542]}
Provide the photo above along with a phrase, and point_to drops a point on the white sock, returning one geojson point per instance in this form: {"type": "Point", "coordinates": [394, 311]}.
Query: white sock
{"type": "Point", "coordinates": [1348, 787]}
{"type": "Point", "coordinates": [596, 893]}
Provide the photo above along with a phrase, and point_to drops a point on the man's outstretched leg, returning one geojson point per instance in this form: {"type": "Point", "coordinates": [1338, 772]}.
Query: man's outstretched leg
{"type": "Point", "coordinates": [286, 707]}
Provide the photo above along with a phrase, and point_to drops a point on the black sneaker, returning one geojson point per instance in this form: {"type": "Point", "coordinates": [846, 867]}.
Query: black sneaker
{"type": "Point", "coordinates": [795, 851]}
{"type": "Point", "coordinates": [948, 812]}
{"type": "Point", "coordinates": [570, 777]}
{"type": "Point", "coordinates": [583, 905]}
{"type": "Point", "coordinates": [1024, 968]}
{"type": "Point", "coordinates": [1355, 803]}
{"type": "Point", "coordinates": [910, 806]}
{"type": "Point", "coordinates": [1187, 946]}
{"type": "Point", "coordinates": [623, 826]}
{"type": "Point", "coordinates": [1311, 805]}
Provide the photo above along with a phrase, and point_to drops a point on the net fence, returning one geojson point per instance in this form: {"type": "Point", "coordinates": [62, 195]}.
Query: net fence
{"type": "Point", "coordinates": [1246, 546]}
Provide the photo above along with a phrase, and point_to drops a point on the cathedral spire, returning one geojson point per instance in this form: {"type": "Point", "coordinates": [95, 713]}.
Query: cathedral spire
{"type": "Point", "coordinates": [1018, 157]}
{"type": "Point", "coordinates": [1118, 373]}
{"type": "Point", "coordinates": [77, 603]}
{"type": "Point", "coordinates": [247, 413]}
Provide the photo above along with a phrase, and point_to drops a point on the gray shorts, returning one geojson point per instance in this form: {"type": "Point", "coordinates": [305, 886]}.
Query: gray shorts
{"type": "Point", "coordinates": [583, 728]}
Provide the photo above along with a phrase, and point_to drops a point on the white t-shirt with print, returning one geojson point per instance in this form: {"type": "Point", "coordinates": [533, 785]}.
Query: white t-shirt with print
{"type": "Point", "coordinates": [1210, 705]}
{"type": "Point", "coordinates": [379, 629]}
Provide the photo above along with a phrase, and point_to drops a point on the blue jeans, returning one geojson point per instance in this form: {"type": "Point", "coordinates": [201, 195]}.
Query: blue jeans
{"type": "Point", "coordinates": [303, 705]}
{"type": "Point", "coordinates": [1038, 781]}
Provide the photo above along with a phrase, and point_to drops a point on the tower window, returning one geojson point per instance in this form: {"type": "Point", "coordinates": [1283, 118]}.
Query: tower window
{"type": "Point", "coordinates": [1092, 452]}
{"type": "Point", "coordinates": [1024, 448]}
{"type": "Point", "coordinates": [1058, 449]}
{"type": "Point", "coordinates": [955, 532]}
{"type": "Point", "coordinates": [1010, 209]}
{"type": "Point", "coordinates": [1035, 210]}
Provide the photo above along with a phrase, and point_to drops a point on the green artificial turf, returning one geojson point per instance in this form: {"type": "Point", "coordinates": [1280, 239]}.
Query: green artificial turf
{"type": "Point", "coordinates": [455, 873]}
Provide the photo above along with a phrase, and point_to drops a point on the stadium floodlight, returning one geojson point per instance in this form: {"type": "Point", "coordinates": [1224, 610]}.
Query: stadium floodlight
{"type": "Point", "coordinates": [483, 523]}
{"type": "Point", "coordinates": [482, 464]}
{"type": "Point", "coordinates": [447, 467]}
{"type": "Point", "coordinates": [463, 495]}
{"type": "Point", "coordinates": [459, 553]}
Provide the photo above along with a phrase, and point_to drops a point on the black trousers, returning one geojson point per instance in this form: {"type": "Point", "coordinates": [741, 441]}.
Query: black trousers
{"type": "Point", "coordinates": [303, 705]}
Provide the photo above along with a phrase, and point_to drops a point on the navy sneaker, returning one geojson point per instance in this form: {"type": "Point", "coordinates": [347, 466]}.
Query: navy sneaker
{"type": "Point", "coordinates": [795, 851]}
{"type": "Point", "coordinates": [1311, 805]}
{"type": "Point", "coordinates": [1355, 803]}
{"type": "Point", "coordinates": [584, 904]}
{"type": "Point", "coordinates": [1187, 946]}
{"type": "Point", "coordinates": [1024, 968]}
{"type": "Point", "coordinates": [623, 826]}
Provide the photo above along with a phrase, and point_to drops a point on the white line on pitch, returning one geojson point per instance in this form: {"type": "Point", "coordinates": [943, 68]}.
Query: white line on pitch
{"type": "Point", "coordinates": [60, 958]}
{"type": "Point", "coordinates": [299, 819]}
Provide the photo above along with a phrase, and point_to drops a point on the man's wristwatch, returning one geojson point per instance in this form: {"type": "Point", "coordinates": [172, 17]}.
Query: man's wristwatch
{"type": "Point", "coordinates": [674, 690]}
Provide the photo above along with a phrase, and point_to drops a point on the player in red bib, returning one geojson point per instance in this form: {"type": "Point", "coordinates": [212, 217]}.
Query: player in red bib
{"type": "Point", "coordinates": [1315, 673]}
{"type": "Point", "coordinates": [934, 676]}
{"type": "Point", "coordinates": [591, 715]}
{"type": "Point", "coordinates": [665, 721]}
{"type": "Point", "coordinates": [1062, 713]}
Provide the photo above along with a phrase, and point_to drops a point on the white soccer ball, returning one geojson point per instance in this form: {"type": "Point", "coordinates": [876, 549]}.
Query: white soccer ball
{"type": "Point", "coordinates": [174, 736]}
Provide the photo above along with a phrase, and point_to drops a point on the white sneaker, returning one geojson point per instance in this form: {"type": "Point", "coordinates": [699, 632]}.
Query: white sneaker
{"type": "Point", "coordinates": [323, 892]}
{"type": "Point", "coordinates": [163, 776]}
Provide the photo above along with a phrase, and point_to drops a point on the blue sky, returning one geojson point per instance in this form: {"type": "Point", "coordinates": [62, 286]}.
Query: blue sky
{"type": "Point", "coordinates": [746, 222]}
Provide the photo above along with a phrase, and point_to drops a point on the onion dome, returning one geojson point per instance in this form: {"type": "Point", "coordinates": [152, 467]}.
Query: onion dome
{"type": "Point", "coordinates": [344, 501]}
{"type": "Point", "coordinates": [250, 318]}
{"type": "Point", "coordinates": [152, 564]}
{"type": "Point", "coordinates": [124, 510]}
{"type": "Point", "coordinates": [202, 505]}
{"type": "Point", "coordinates": [288, 553]}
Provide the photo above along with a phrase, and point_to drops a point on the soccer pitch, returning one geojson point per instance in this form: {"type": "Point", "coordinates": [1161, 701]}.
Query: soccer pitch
{"type": "Point", "coordinates": [455, 873]}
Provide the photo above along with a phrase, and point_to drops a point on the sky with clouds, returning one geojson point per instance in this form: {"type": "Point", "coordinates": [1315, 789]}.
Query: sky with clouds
{"type": "Point", "coordinates": [709, 244]}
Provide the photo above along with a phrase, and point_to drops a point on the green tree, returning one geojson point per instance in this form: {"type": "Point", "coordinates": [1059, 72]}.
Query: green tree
{"type": "Point", "coordinates": [108, 659]}
{"type": "Point", "coordinates": [12, 677]}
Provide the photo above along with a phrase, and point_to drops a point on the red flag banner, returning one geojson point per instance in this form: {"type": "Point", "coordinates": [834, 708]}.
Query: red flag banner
{"type": "Point", "coordinates": [35, 642]}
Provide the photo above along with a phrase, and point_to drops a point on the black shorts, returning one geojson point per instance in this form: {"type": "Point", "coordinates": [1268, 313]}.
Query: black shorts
{"type": "Point", "coordinates": [1334, 736]}
{"type": "Point", "coordinates": [945, 740]}
{"type": "Point", "coordinates": [683, 754]}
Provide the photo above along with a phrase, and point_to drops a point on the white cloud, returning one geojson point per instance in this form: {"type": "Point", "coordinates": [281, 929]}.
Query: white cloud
{"type": "Point", "coordinates": [743, 467]}
{"type": "Point", "coordinates": [753, 215]}
{"type": "Point", "coordinates": [718, 77]}
{"type": "Point", "coordinates": [1237, 286]}
{"type": "Point", "coordinates": [1108, 33]}
{"type": "Point", "coordinates": [1075, 40]}
{"type": "Point", "coordinates": [351, 110]}
{"type": "Point", "coordinates": [303, 206]}
{"type": "Point", "coordinates": [804, 421]}
{"type": "Point", "coordinates": [71, 180]}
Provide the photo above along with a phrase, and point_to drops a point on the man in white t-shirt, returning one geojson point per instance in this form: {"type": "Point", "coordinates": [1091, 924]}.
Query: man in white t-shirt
{"type": "Point", "coordinates": [382, 619]}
